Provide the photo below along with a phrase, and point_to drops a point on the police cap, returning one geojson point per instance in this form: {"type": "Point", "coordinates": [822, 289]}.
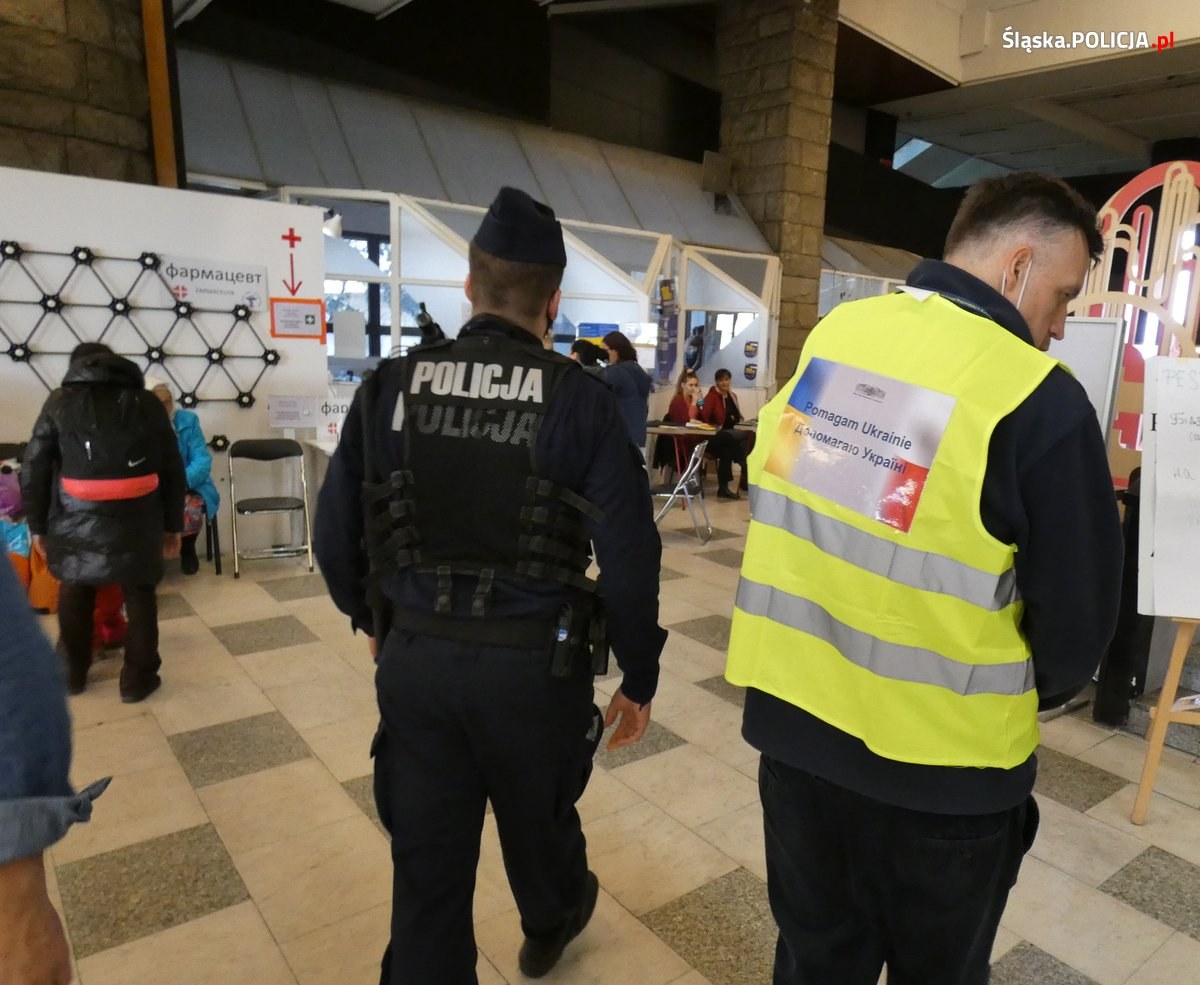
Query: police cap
{"type": "Point", "coordinates": [519, 229]}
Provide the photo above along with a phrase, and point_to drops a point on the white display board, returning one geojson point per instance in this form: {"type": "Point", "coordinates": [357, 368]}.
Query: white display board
{"type": "Point", "coordinates": [57, 213]}
{"type": "Point", "coordinates": [1092, 350]}
{"type": "Point", "coordinates": [1170, 514]}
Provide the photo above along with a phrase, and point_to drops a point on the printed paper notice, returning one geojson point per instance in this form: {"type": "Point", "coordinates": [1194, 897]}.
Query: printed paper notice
{"type": "Point", "coordinates": [862, 440]}
{"type": "Point", "coordinates": [298, 318]}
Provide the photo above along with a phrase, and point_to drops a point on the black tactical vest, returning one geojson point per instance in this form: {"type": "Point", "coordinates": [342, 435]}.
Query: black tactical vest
{"type": "Point", "coordinates": [469, 498]}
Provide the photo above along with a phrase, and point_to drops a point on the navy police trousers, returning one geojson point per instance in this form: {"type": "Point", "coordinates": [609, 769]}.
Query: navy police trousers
{"type": "Point", "coordinates": [462, 724]}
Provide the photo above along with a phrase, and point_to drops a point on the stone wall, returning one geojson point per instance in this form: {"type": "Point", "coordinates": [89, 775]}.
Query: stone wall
{"type": "Point", "coordinates": [775, 60]}
{"type": "Point", "coordinates": [73, 92]}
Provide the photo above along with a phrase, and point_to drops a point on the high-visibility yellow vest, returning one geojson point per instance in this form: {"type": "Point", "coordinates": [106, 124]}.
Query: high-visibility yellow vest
{"type": "Point", "coordinates": [871, 594]}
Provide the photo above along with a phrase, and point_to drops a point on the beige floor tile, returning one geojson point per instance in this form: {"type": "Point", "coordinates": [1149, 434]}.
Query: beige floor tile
{"type": "Point", "coordinates": [750, 769]}
{"type": "Point", "coordinates": [691, 978]}
{"type": "Point", "coordinates": [200, 660]}
{"type": "Point", "coordinates": [1178, 775]}
{"type": "Point", "coordinates": [332, 629]}
{"type": "Point", "coordinates": [354, 652]}
{"type": "Point", "coordinates": [705, 593]}
{"type": "Point", "coordinates": [101, 703]}
{"type": "Point", "coordinates": [1169, 824]}
{"type": "Point", "coordinates": [486, 972]}
{"type": "Point", "coordinates": [673, 610]}
{"type": "Point", "coordinates": [232, 945]}
{"type": "Point", "coordinates": [1081, 846]}
{"type": "Point", "coordinates": [689, 784]}
{"type": "Point", "coordinates": [276, 804]}
{"type": "Point", "coordinates": [291, 665]}
{"type": "Point", "coordinates": [1005, 941]}
{"type": "Point", "coordinates": [717, 575]}
{"type": "Point", "coordinates": [344, 953]}
{"type": "Point", "coordinates": [318, 877]}
{"type": "Point", "coordinates": [1081, 926]}
{"type": "Point", "coordinates": [1071, 736]}
{"type": "Point", "coordinates": [318, 605]}
{"type": "Point", "coordinates": [136, 806]}
{"type": "Point", "coordinates": [189, 705]}
{"type": "Point", "coordinates": [677, 697]}
{"type": "Point", "coordinates": [605, 794]}
{"type": "Point", "coordinates": [694, 652]}
{"type": "Point", "coordinates": [245, 603]}
{"type": "Point", "coordinates": [336, 695]}
{"type": "Point", "coordinates": [717, 729]}
{"type": "Point", "coordinates": [1176, 962]}
{"type": "Point", "coordinates": [116, 748]}
{"type": "Point", "coordinates": [615, 948]}
{"type": "Point", "coordinates": [345, 747]}
{"type": "Point", "coordinates": [645, 858]}
{"type": "Point", "coordinates": [739, 835]}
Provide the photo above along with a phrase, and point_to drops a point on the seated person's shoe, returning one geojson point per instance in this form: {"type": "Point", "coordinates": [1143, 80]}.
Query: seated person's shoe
{"type": "Point", "coordinates": [76, 683]}
{"type": "Point", "coordinates": [189, 562]}
{"type": "Point", "coordinates": [724, 492]}
{"type": "Point", "coordinates": [537, 958]}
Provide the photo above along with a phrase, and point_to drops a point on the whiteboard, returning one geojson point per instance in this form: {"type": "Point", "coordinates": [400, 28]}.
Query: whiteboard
{"type": "Point", "coordinates": [1092, 350]}
{"type": "Point", "coordinates": [1170, 518]}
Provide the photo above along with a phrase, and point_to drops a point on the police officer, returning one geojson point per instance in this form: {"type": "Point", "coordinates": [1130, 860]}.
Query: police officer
{"type": "Point", "coordinates": [502, 464]}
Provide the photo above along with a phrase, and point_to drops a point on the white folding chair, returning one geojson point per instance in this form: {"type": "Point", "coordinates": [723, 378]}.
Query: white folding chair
{"type": "Point", "coordinates": [688, 488]}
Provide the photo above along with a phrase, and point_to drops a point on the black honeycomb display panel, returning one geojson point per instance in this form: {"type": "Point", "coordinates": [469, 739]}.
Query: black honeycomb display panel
{"type": "Point", "coordinates": [48, 299]}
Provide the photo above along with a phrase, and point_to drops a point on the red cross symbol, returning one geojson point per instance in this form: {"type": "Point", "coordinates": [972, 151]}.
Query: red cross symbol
{"type": "Point", "coordinates": [292, 238]}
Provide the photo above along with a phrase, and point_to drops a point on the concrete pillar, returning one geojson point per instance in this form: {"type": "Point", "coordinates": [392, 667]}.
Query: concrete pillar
{"type": "Point", "coordinates": [73, 93]}
{"type": "Point", "coordinates": [775, 59]}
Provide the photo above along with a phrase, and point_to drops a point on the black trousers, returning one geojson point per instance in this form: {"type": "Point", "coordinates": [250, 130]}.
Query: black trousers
{"type": "Point", "coordinates": [463, 723]}
{"type": "Point", "coordinates": [727, 448]}
{"type": "Point", "coordinates": [855, 884]}
{"type": "Point", "coordinates": [76, 605]}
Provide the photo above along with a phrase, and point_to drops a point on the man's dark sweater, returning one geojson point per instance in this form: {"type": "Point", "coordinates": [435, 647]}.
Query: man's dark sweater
{"type": "Point", "coordinates": [1047, 489]}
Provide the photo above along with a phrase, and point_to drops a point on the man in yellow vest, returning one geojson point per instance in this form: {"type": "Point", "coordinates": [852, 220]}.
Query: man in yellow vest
{"type": "Point", "coordinates": [934, 555]}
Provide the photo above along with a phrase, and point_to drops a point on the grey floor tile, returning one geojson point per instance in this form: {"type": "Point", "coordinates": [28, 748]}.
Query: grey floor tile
{"type": "Point", "coordinates": [723, 689]}
{"type": "Point", "coordinates": [727, 556]}
{"type": "Point", "coordinates": [240, 638]}
{"type": "Point", "coordinates": [1162, 886]}
{"type": "Point", "coordinates": [233, 749]}
{"type": "Point", "coordinates": [719, 534]}
{"type": "Point", "coordinates": [1072, 783]}
{"type": "Point", "coordinates": [658, 738]}
{"type": "Point", "coordinates": [1029, 965]}
{"type": "Point", "coordinates": [300, 587]}
{"type": "Point", "coordinates": [710, 630]}
{"type": "Point", "coordinates": [724, 930]}
{"type": "Point", "coordinates": [130, 893]}
{"type": "Point", "coordinates": [172, 605]}
{"type": "Point", "coordinates": [362, 792]}
{"type": "Point", "coordinates": [668, 574]}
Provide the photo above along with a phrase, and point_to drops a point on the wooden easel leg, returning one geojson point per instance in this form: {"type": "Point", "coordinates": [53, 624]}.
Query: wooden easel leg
{"type": "Point", "coordinates": [1161, 719]}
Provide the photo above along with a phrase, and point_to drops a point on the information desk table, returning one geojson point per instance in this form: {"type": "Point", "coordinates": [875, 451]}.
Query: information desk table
{"type": "Point", "coordinates": [685, 438]}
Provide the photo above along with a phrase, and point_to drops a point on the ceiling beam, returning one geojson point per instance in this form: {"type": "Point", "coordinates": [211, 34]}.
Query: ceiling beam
{"type": "Point", "coordinates": [614, 6]}
{"type": "Point", "coordinates": [388, 11]}
{"type": "Point", "coordinates": [1085, 125]}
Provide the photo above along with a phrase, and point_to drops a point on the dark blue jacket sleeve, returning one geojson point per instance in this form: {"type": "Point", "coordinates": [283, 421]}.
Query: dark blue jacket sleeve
{"type": "Point", "coordinates": [37, 804]}
{"type": "Point", "coordinates": [338, 541]}
{"type": "Point", "coordinates": [626, 541]}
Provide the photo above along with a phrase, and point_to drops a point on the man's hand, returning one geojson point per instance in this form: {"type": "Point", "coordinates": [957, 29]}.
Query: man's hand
{"type": "Point", "coordinates": [634, 719]}
{"type": "Point", "coordinates": [33, 948]}
{"type": "Point", "coordinates": [171, 545]}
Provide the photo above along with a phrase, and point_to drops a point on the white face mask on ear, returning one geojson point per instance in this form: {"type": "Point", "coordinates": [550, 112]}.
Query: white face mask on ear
{"type": "Point", "coordinates": [1024, 283]}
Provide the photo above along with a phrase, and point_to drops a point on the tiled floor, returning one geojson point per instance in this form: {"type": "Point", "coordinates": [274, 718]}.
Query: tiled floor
{"type": "Point", "coordinates": [238, 841]}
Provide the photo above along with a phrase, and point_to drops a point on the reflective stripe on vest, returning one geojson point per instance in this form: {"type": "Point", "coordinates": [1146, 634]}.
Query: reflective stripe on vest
{"type": "Point", "coordinates": [917, 569]}
{"type": "Point", "coordinates": [899, 624]}
{"type": "Point", "coordinates": [890, 660]}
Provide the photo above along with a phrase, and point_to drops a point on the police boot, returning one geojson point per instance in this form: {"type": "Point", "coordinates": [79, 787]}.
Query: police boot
{"type": "Point", "coordinates": [538, 957]}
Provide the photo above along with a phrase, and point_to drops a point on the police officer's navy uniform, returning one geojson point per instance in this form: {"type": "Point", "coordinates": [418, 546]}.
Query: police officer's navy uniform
{"type": "Point", "coordinates": [503, 463]}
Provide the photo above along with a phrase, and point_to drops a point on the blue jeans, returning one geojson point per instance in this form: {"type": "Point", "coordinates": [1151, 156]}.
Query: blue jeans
{"type": "Point", "coordinates": [855, 884]}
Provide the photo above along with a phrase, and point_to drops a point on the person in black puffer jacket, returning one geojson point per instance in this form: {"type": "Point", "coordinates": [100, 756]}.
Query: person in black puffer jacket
{"type": "Point", "coordinates": [109, 528]}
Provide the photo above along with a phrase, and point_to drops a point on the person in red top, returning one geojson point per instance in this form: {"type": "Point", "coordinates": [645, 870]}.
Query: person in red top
{"type": "Point", "coordinates": [723, 445]}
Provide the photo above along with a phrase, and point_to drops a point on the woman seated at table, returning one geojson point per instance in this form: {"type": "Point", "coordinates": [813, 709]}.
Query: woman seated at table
{"type": "Point", "coordinates": [724, 445]}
